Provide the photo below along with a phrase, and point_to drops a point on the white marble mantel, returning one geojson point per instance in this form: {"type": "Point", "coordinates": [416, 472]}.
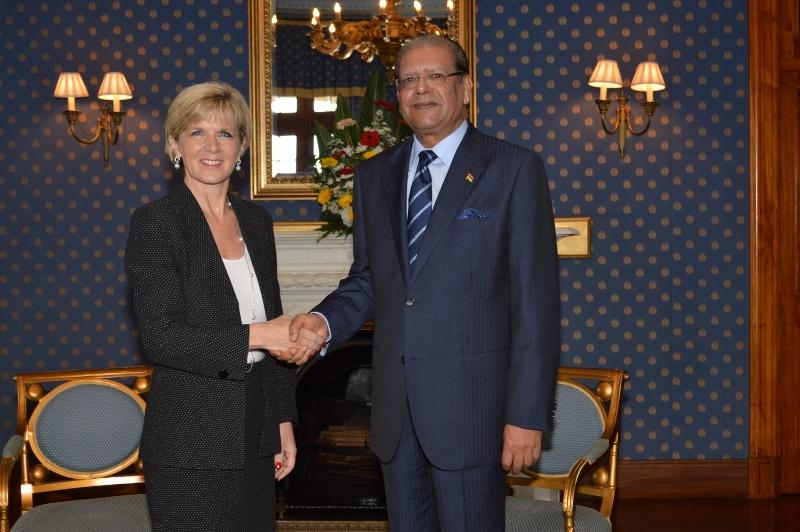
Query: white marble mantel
{"type": "Point", "coordinates": [309, 268]}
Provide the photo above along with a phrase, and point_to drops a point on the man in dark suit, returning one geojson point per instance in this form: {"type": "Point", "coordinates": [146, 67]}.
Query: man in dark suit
{"type": "Point", "coordinates": [455, 260]}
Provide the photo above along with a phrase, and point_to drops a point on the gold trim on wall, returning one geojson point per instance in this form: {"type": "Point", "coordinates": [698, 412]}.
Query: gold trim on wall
{"type": "Point", "coordinates": [262, 184]}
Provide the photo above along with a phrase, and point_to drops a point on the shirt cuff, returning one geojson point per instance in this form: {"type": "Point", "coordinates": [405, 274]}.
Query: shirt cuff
{"type": "Point", "coordinates": [328, 339]}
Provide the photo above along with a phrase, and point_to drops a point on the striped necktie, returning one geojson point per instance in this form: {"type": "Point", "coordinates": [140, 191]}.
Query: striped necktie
{"type": "Point", "coordinates": [419, 205]}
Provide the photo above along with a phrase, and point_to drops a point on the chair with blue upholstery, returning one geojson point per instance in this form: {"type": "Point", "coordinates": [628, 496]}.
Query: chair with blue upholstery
{"type": "Point", "coordinates": [77, 432]}
{"type": "Point", "coordinates": [578, 457]}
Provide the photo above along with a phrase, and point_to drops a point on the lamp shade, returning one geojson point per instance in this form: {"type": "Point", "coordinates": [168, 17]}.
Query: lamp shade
{"type": "Point", "coordinates": [70, 85]}
{"type": "Point", "coordinates": [648, 78]}
{"type": "Point", "coordinates": [114, 87]}
{"type": "Point", "coordinates": [606, 75]}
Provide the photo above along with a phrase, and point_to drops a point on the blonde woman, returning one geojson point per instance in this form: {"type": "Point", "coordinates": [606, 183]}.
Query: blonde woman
{"type": "Point", "coordinates": [202, 268]}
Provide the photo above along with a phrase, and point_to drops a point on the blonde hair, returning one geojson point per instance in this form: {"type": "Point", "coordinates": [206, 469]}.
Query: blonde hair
{"type": "Point", "coordinates": [204, 100]}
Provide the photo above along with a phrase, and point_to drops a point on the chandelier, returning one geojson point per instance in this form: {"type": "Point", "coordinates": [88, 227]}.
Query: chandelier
{"type": "Point", "coordinates": [380, 36]}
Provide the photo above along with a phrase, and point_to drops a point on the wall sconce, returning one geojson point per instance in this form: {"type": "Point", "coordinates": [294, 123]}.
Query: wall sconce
{"type": "Point", "coordinates": [647, 79]}
{"type": "Point", "coordinates": [115, 88]}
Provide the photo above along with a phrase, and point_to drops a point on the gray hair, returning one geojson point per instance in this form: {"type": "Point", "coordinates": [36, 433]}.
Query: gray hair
{"type": "Point", "coordinates": [430, 40]}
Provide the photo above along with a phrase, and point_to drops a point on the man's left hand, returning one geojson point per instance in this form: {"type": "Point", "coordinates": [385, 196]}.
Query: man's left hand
{"type": "Point", "coordinates": [521, 448]}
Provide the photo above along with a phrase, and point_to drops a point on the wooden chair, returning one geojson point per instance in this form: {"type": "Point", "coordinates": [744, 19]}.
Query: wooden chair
{"type": "Point", "coordinates": [77, 430]}
{"type": "Point", "coordinates": [578, 457]}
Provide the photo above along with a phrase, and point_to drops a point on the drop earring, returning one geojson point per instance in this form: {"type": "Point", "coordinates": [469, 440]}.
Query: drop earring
{"type": "Point", "coordinates": [177, 162]}
{"type": "Point", "coordinates": [238, 165]}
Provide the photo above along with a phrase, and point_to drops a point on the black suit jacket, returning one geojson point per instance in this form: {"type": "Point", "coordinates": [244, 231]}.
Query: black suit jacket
{"type": "Point", "coordinates": [190, 325]}
{"type": "Point", "coordinates": [470, 339]}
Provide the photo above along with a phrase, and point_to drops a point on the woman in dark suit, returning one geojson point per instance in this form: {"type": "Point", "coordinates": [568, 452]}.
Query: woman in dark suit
{"type": "Point", "coordinates": [202, 267]}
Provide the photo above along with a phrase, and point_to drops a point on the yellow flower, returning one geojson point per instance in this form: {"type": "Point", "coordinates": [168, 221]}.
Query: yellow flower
{"type": "Point", "coordinates": [328, 162]}
{"type": "Point", "coordinates": [324, 196]}
{"type": "Point", "coordinates": [345, 201]}
{"type": "Point", "coordinates": [370, 154]}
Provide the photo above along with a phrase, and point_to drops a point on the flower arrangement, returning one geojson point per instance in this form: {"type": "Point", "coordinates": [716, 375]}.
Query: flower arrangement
{"type": "Point", "coordinates": [379, 126]}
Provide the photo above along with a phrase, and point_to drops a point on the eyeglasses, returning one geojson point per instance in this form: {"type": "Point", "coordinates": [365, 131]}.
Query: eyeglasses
{"type": "Point", "coordinates": [434, 79]}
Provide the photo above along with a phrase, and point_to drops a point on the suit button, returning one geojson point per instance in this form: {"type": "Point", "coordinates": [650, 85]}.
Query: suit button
{"type": "Point", "coordinates": [409, 301]}
{"type": "Point", "coordinates": [222, 374]}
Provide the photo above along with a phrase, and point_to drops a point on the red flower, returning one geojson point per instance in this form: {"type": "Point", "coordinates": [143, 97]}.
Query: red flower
{"type": "Point", "coordinates": [370, 138]}
{"type": "Point", "coordinates": [386, 105]}
{"type": "Point", "coordinates": [339, 154]}
{"type": "Point", "coordinates": [346, 170]}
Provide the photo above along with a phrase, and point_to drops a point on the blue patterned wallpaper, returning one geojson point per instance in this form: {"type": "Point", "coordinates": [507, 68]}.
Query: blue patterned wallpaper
{"type": "Point", "coordinates": [663, 296]}
{"type": "Point", "coordinates": [63, 217]}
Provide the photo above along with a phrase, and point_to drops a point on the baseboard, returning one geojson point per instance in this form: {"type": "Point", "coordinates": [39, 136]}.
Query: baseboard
{"type": "Point", "coordinates": [764, 478]}
{"type": "Point", "coordinates": [682, 479]}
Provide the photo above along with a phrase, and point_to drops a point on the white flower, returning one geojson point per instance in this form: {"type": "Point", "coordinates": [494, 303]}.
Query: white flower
{"type": "Point", "coordinates": [345, 122]}
{"type": "Point", "coordinates": [347, 217]}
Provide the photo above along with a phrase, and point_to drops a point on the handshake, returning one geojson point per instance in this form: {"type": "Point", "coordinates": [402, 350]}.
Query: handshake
{"type": "Point", "coordinates": [294, 340]}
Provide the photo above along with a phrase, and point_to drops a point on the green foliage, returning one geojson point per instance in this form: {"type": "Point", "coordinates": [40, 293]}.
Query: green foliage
{"type": "Point", "coordinates": [349, 143]}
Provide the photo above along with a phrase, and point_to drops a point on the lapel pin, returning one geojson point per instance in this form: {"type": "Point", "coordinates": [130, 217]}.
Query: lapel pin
{"type": "Point", "coordinates": [470, 178]}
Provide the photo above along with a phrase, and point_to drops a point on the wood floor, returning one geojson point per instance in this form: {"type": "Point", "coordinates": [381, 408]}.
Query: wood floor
{"type": "Point", "coordinates": [660, 515]}
{"type": "Point", "coordinates": [655, 515]}
{"type": "Point", "coordinates": [707, 515]}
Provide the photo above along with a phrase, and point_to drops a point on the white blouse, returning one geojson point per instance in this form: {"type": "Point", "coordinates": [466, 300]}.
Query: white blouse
{"type": "Point", "coordinates": [245, 285]}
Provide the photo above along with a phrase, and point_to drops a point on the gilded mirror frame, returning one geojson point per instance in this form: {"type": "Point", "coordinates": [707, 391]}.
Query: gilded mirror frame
{"type": "Point", "coordinates": [262, 184]}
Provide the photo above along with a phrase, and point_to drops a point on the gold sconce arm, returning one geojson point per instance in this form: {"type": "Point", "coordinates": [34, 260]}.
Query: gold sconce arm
{"type": "Point", "coordinates": [623, 125]}
{"type": "Point", "coordinates": [647, 79]}
{"type": "Point", "coordinates": [107, 129]}
{"type": "Point", "coordinates": [114, 89]}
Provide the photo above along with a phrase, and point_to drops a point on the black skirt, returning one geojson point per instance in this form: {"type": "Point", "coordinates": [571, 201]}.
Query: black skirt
{"type": "Point", "coordinates": [218, 500]}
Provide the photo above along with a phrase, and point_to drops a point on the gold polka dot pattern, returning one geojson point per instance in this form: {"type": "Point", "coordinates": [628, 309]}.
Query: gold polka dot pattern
{"type": "Point", "coordinates": [63, 218]}
{"type": "Point", "coordinates": [665, 293]}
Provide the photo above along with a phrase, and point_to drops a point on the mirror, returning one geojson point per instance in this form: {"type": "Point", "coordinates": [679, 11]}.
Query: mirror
{"type": "Point", "coordinates": [297, 186]}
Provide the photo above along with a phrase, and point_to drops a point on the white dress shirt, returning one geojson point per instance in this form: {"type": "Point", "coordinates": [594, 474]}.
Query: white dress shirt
{"type": "Point", "coordinates": [445, 151]}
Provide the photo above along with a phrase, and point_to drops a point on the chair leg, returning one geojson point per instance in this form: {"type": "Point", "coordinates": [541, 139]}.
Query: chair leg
{"type": "Point", "coordinates": [610, 490]}
{"type": "Point", "coordinates": [569, 523]}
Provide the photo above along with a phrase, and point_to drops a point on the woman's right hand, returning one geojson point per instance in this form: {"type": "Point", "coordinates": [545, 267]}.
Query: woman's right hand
{"type": "Point", "coordinates": [270, 335]}
{"type": "Point", "coordinates": [273, 336]}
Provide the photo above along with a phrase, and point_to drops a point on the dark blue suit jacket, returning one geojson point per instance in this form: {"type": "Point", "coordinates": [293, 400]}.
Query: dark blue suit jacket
{"type": "Point", "coordinates": [470, 339]}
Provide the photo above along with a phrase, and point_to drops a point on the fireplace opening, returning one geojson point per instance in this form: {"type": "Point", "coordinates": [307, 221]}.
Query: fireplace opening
{"type": "Point", "coordinates": [336, 476]}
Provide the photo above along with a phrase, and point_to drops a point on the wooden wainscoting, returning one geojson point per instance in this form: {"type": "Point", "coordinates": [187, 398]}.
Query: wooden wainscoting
{"type": "Point", "coordinates": [774, 59]}
{"type": "Point", "coordinates": [682, 479]}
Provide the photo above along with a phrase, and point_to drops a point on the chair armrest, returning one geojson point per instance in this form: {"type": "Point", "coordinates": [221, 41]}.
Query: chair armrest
{"type": "Point", "coordinates": [597, 450]}
{"type": "Point", "coordinates": [11, 452]}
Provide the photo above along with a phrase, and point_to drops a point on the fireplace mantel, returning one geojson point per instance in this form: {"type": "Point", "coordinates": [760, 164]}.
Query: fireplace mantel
{"type": "Point", "coordinates": [309, 268]}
